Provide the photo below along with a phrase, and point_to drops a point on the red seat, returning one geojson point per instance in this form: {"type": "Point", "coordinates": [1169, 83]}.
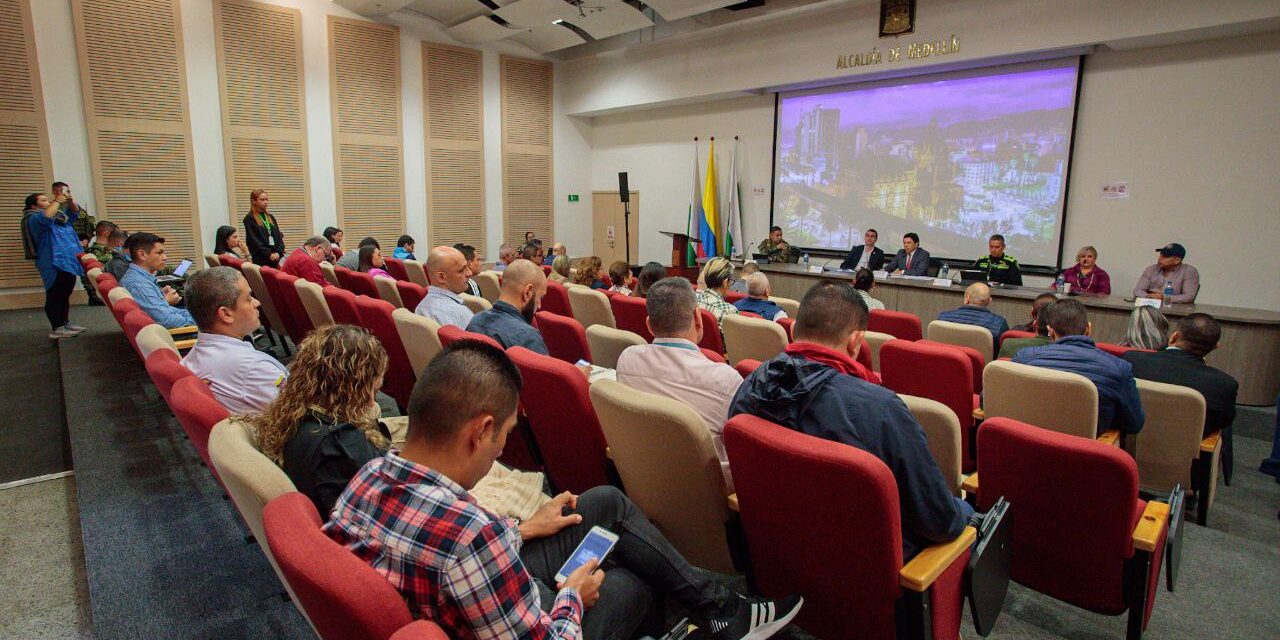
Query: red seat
{"type": "Point", "coordinates": [395, 267]}
{"type": "Point", "coordinates": [1117, 350]}
{"type": "Point", "coordinates": [556, 300]}
{"type": "Point", "coordinates": [134, 321]}
{"type": "Point", "coordinates": [937, 372]}
{"type": "Point", "coordinates": [342, 306]}
{"type": "Point", "coordinates": [864, 355]}
{"type": "Point", "coordinates": [975, 360]}
{"type": "Point", "coordinates": [164, 367]}
{"type": "Point", "coordinates": [357, 282]}
{"type": "Point", "coordinates": [747, 366]}
{"type": "Point", "coordinates": [450, 334]}
{"type": "Point", "coordinates": [228, 260]}
{"type": "Point", "coordinates": [733, 296]}
{"type": "Point", "coordinates": [285, 284]}
{"type": "Point", "coordinates": [197, 410]}
{"type": "Point", "coordinates": [711, 338]}
{"type": "Point", "coordinates": [122, 309]}
{"type": "Point", "coordinates": [271, 277]}
{"type": "Point", "coordinates": [420, 630]}
{"type": "Point", "coordinates": [411, 293]}
{"type": "Point", "coordinates": [375, 315]}
{"type": "Point", "coordinates": [1075, 505]}
{"type": "Point", "coordinates": [895, 323]}
{"type": "Point", "coordinates": [546, 269]}
{"type": "Point", "coordinates": [1011, 335]}
{"type": "Point", "coordinates": [713, 356]}
{"type": "Point", "coordinates": [631, 314]}
{"type": "Point", "coordinates": [556, 400]}
{"type": "Point", "coordinates": [787, 325]}
{"type": "Point", "coordinates": [750, 314]}
{"type": "Point", "coordinates": [565, 337]}
{"type": "Point", "coordinates": [344, 596]}
{"type": "Point", "coordinates": [784, 477]}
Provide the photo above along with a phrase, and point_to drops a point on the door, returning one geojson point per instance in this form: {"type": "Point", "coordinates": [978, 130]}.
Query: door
{"type": "Point", "coordinates": [607, 220]}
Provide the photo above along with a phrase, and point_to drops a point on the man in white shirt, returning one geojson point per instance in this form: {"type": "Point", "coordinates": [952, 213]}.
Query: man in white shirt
{"type": "Point", "coordinates": [448, 272]}
{"type": "Point", "coordinates": [674, 366]}
{"type": "Point", "coordinates": [242, 378]}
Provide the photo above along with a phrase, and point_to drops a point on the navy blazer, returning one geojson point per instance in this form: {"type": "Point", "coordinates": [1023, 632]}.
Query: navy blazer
{"type": "Point", "coordinates": [919, 263]}
{"type": "Point", "coordinates": [874, 263]}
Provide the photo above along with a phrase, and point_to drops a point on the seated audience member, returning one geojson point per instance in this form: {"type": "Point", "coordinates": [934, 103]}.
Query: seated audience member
{"type": "Point", "coordinates": [817, 387]}
{"type": "Point", "coordinates": [977, 299]}
{"type": "Point", "coordinates": [530, 238]}
{"type": "Point", "coordinates": [911, 260]}
{"type": "Point", "coordinates": [590, 273]}
{"type": "Point", "coordinates": [1182, 363]}
{"type": "Point", "coordinates": [473, 267]}
{"type": "Point", "coordinates": [447, 271]}
{"type": "Point", "coordinates": [1039, 325]}
{"type": "Point", "coordinates": [619, 274]}
{"type": "Point", "coordinates": [227, 241]}
{"type": "Point", "coordinates": [506, 255]}
{"type": "Point", "coordinates": [1085, 276]}
{"type": "Point", "coordinates": [323, 427]}
{"type": "Point", "coordinates": [510, 321]}
{"type": "Point", "coordinates": [410, 515]}
{"type": "Point", "coordinates": [1169, 269]}
{"type": "Point", "coordinates": [557, 249]}
{"type": "Point", "coordinates": [533, 253]}
{"type": "Point", "coordinates": [351, 259]}
{"type": "Point", "coordinates": [1074, 351]}
{"type": "Point", "coordinates": [864, 282]}
{"type": "Point", "coordinates": [242, 378]}
{"type": "Point", "coordinates": [560, 271]}
{"type": "Point", "coordinates": [334, 235]}
{"type": "Point", "coordinates": [650, 273]}
{"type": "Point", "coordinates": [404, 248]}
{"type": "Point", "coordinates": [740, 285]}
{"type": "Point", "coordinates": [673, 366]}
{"type": "Point", "coordinates": [757, 300]}
{"type": "Point", "coordinates": [146, 252]}
{"type": "Point", "coordinates": [998, 266]}
{"type": "Point", "coordinates": [100, 247]}
{"type": "Point", "coordinates": [371, 262]}
{"type": "Point", "coordinates": [715, 276]}
{"type": "Point", "coordinates": [119, 262]}
{"type": "Point", "coordinates": [1148, 329]}
{"type": "Point", "coordinates": [866, 255]}
{"type": "Point", "coordinates": [305, 261]}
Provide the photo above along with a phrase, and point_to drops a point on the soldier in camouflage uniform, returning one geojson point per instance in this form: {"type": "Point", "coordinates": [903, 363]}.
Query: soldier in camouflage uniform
{"type": "Point", "coordinates": [84, 226]}
{"type": "Point", "coordinates": [776, 248]}
{"type": "Point", "coordinates": [999, 266]}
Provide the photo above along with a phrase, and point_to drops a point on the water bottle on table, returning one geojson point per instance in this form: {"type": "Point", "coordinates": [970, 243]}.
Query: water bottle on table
{"type": "Point", "coordinates": [804, 260]}
{"type": "Point", "coordinates": [1057, 284]}
{"type": "Point", "coordinates": [945, 272]}
{"type": "Point", "coordinates": [1168, 291]}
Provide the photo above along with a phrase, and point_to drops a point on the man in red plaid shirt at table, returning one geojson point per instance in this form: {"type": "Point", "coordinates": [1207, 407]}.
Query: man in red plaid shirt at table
{"type": "Point", "coordinates": [410, 515]}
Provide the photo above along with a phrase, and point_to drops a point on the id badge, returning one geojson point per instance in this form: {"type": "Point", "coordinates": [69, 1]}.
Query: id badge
{"type": "Point", "coordinates": [271, 240]}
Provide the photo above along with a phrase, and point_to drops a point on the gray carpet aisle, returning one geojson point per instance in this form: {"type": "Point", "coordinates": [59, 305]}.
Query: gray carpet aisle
{"type": "Point", "coordinates": [33, 435]}
{"type": "Point", "coordinates": [164, 552]}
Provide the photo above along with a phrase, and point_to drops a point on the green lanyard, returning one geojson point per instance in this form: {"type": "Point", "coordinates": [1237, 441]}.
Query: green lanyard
{"type": "Point", "coordinates": [265, 220]}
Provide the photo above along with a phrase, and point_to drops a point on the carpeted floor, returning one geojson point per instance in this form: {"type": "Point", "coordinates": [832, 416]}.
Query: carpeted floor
{"type": "Point", "coordinates": [33, 440]}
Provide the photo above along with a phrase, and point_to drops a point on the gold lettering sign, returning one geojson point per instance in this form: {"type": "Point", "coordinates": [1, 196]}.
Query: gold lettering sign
{"type": "Point", "coordinates": [915, 51]}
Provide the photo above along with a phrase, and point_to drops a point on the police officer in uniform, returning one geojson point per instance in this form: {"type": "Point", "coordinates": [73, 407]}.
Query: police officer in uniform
{"type": "Point", "coordinates": [998, 266]}
{"type": "Point", "coordinates": [776, 248]}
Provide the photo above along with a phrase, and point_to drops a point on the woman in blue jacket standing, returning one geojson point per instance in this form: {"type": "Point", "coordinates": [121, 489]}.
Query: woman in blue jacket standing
{"type": "Point", "coordinates": [56, 246]}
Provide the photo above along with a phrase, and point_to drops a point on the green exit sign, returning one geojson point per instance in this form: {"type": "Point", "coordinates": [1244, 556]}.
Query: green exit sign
{"type": "Point", "coordinates": [573, 197]}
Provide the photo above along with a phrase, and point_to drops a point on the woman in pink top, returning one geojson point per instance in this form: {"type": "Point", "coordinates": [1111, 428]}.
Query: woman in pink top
{"type": "Point", "coordinates": [1085, 276]}
{"type": "Point", "coordinates": [371, 262]}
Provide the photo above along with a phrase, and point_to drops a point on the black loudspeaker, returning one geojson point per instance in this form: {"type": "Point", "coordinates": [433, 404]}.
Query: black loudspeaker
{"type": "Point", "coordinates": [623, 191]}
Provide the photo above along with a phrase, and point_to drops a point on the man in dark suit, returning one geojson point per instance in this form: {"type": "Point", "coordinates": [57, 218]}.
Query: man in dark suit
{"type": "Point", "coordinates": [1182, 363]}
{"type": "Point", "coordinates": [911, 260]}
{"type": "Point", "coordinates": [874, 257]}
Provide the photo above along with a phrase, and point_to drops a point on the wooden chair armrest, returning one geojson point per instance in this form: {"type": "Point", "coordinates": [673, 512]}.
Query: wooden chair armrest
{"type": "Point", "coordinates": [183, 345]}
{"type": "Point", "coordinates": [970, 483]}
{"type": "Point", "coordinates": [919, 574]}
{"type": "Point", "coordinates": [1111, 437]}
{"type": "Point", "coordinates": [184, 330]}
{"type": "Point", "coordinates": [1210, 444]}
{"type": "Point", "coordinates": [1152, 523]}
{"type": "Point", "coordinates": [733, 502]}
{"type": "Point", "coordinates": [979, 414]}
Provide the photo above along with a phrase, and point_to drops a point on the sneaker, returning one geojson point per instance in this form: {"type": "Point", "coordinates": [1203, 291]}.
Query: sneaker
{"type": "Point", "coordinates": [756, 619]}
{"type": "Point", "coordinates": [62, 332]}
{"type": "Point", "coordinates": [74, 327]}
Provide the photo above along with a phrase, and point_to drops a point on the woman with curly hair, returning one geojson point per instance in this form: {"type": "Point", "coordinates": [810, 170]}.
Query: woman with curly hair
{"type": "Point", "coordinates": [590, 273]}
{"type": "Point", "coordinates": [324, 424]}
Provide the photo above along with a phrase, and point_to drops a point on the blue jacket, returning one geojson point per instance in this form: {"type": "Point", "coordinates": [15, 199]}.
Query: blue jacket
{"type": "Point", "coordinates": [1119, 404]}
{"type": "Point", "coordinates": [505, 324]}
{"type": "Point", "coordinates": [766, 309]}
{"type": "Point", "coordinates": [815, 399]}
{"type": "Point", "coordinates": [980, 317]}
{"type": "Point", "coordinates": [401, 253]}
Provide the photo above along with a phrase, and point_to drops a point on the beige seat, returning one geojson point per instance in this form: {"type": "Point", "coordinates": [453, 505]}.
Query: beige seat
{"type": "Point", "coordinates": [387, 291]}
{"type": "Point", "coordinates": [253, 274]}
{"type": "Point", "coordinates": [751, 338]}
{"type": "Point", "coordinates": [330, 274]}
{"type": "Point", "coordinates": [154, 337]}
{"type": "Point", "coordinates": [792, 307]}
{"type": "Point", "coordinates": [1047, 398]}
{"type": "Point", "coordinates": [608, 343]}
{"type": "Point", "coordinates": [313, 301]}
{"type": "Point", "coordinates": [665, 457]}
{"type": "Point", "coordinates": [117, 294]}
{"type": "Point", "coordinates": [417, 273]}
{"type": "Point", "coordinates": [875, 340]}
{"type": "Point", "coordinates": [942, 430]}
{"type": "Point", "coordinates": [420, 336]}
{"type": "Point", "coordinates": [490, 285]}
{"type": "Point", "coordinates": [1170, 439]}
{"type": "Point", "coordinates": [475, 303]}
{"type": "Point", "coordinates": [212, 260]}
{"type": "Point", "coordinates": [965, 335]}
{"type": "Point", "coordinates": [590, 307]}
{"type": "Point", "coordinates": [93, 274]}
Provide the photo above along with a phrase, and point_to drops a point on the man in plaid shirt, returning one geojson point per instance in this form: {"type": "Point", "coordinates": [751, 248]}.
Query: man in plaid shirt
{"type": "Point", "coordinates": [411, 517]}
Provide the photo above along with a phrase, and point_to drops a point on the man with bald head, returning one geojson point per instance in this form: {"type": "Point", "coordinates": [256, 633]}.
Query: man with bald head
{"type": "Point", "coordinates": [977, 299]}
{"type": "Point", "coordinates": [447, 271]}
{"type": "Point", "coordinates": [510, 321]}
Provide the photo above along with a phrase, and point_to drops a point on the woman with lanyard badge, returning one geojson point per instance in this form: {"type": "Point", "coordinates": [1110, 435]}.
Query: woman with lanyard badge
{"type": "Point", "coordinates": [261, 232]}
{"type": "Point", "coordinates": [55, 245]}
{"type": "Point", "coordinates": [1085, 276]}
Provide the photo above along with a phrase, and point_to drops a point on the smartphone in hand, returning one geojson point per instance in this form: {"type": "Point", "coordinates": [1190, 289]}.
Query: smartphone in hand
{"type": "Point", "coordinates": [598, 543]}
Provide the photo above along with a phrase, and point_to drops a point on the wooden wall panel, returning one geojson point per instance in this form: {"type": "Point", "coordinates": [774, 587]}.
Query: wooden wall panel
{"type": "Point", "coordinates": [527, 181]}
{"type": "Point", "coordinates": [453, 126]}
{"type": "Point", "coordinates": [264, 120]}
{"type": "Point", "coordinates": [134, 83]}
{"type": "Point", "coordinates": [364, 83]}
{"type": "Point", "coordinates": [25, 167]}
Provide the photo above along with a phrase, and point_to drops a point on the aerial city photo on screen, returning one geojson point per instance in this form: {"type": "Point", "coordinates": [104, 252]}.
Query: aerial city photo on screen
{"type": "Point", "coordinates": [953, 159]}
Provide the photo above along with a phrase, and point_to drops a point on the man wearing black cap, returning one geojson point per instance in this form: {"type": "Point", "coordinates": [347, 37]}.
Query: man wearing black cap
{"type": "Point", "coordinates": [1169, 269]}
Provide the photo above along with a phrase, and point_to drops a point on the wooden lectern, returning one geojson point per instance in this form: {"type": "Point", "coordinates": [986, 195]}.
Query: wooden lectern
{"type": "Point", "coordinates": [680, 255]}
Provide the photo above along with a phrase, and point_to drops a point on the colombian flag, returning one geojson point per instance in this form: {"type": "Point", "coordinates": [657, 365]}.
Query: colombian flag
{"type": "Point", "coordinates": [710, 221]}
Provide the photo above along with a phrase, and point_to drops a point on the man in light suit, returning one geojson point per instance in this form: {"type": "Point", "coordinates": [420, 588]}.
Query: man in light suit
{"type": "Point", "coordinates": [911, 260]}
{"type": "Point", "coordinates": [866, 255]}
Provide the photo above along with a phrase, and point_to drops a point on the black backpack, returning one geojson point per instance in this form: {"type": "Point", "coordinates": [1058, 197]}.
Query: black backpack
{"type": "Point", "coordinates": [28, 241]}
